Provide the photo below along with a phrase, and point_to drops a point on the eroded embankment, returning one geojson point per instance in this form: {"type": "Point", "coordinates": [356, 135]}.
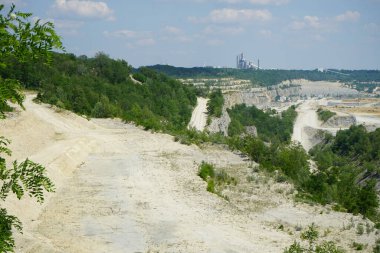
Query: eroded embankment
{"type": "Point", "coordinates": [122, 189]}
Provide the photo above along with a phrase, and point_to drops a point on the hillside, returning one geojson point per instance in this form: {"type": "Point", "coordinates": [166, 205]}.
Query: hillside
{"type": "Point", "coordinates": [122, 189]}
{"type": "Point", "coordinates": [103, 87]}
{"type": "Point", "coordinates": [359, 79]}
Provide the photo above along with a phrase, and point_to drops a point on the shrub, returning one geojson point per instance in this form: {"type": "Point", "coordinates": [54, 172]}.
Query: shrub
{"type": "Point", "coordinates": [206, 170]}
{"type": "Point", "coordinates": [325, 115]}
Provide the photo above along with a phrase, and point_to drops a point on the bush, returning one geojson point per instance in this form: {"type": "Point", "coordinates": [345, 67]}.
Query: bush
{"type": "Point", "coordinates": [211, 186]}
{"type": "Point", "coordinates": [206, 171]}
{"type": "Point", "coordinates": [215, 180]}
{"type": "Point", "coordinates": [215, 104]}
{"type": "Point", "coordinates": [311, 236]}
{"type": "Point", "coordinates": [325, 115]}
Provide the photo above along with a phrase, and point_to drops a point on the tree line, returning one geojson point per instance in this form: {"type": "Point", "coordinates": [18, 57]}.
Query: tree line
{"type": "Point", "coordinates": [269, 77]}
{"type": "Point", "coordinates": [102, 87]}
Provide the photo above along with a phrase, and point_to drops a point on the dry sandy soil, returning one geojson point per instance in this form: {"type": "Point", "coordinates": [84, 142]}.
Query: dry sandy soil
{"type": "Point", "coordinates": [122, 189]}
{"type": "Point", "coordinates": [199, 117]}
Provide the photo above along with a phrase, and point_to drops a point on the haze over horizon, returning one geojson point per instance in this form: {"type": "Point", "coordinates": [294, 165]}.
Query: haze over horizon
{"type": "Point", "coordinates": [286, 34]}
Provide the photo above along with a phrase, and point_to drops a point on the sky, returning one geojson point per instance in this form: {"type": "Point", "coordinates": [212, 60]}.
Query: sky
{"type": "Point", "coordinates": [286, 34]}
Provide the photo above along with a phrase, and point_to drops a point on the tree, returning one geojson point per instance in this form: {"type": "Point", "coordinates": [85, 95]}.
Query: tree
{"type": "Point", "coordinates": [21, 41]}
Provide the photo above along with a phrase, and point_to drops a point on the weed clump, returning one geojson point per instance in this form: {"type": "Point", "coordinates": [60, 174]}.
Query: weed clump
{"type": "Point", "coordinates": [216, 180]}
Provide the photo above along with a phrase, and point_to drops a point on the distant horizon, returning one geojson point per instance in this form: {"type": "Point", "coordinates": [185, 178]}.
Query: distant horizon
{"type": "Point", "coordinates": [226, 67]}
{"type": "Point", "coordinates": [283, 34]}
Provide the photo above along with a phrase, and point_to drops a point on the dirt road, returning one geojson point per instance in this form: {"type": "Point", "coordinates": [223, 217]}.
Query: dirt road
{"type": "Point", "coordinates": [122, 189]}
{"type": "Point", "coordinates": [307, 116]}
{"type": "Point", "coordinates": [199, 117]}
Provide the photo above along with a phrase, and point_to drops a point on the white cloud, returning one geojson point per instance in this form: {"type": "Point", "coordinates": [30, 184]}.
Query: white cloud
{"type": "Point", "coordinates": [227, 15]}
{"type": "Point", "coordinates": [173, 33]}
{"type": "Point", "coordinates": [66, 27]}
{"type": "Point", "coordinates": [129, 34]}
{"type": "Point", "coordinates": [214, 42]}
{"type": "Point", "coordinates": [84, 8]}
{"type": "Point", "coordinates": [348, 16]}
{"type": "Point", "coordinates": [133, 38]}
{"type": "Point", "coordinates": [173, 30]}
{"type": "Point", "coordinates": [267, 2]}
{"type": "Point", "coordinates": [222, 30]}
{"type": "Point", "coordinates": [146, 42]}
{"type": "Point", "coordinates": [297, 25]}
{"type": "Point", "coordinates": [254, 2]}
{"type": "Point", "coordinates": [266, 33]}
{"type": "Point", "coordinates": [306, 23]}
{"type": "Point", "coordinates": [312, 21]}
{"type": "Point", "coordinates": [242, 15]}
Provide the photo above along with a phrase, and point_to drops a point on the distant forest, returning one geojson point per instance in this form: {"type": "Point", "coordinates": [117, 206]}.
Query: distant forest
{"type": "Point", "coordinates": [268, 77]}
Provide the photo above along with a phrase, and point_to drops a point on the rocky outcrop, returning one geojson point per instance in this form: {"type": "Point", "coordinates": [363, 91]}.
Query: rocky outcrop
{"type": "Point", "coordinates": [315, 136]}
{"type": "Point", "coordinates": [338, 121]}
{"type": "Point", "coordinates": [251, 131]}
{"type": "Point", "coordinates": [220, 124]}
{"type": "Point", "coordinates": [260, 97]}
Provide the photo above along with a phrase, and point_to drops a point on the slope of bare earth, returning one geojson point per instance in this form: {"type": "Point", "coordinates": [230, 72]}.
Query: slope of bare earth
{"type": "Point", "coordinates": [199, 116]}
{"type": "Point", "coordinates": [122, 189]}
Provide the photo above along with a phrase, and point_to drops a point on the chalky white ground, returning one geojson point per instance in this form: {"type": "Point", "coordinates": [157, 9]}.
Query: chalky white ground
{"type": "Point", "coordinates": [199, 116]}
{"type": "Point", "coordinates": [122, 189]}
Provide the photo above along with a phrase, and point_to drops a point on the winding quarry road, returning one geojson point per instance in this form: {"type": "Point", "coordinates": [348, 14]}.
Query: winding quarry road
{"type": "Point", "coordinates": [199, 117]}
{"type": "Point", "coordinates": [307, 116]}
{"type": "Point", "coordinates": [122, 189]}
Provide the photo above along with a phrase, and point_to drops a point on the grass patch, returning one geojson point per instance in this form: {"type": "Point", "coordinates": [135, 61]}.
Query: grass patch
{"type": "Point", "coordinates": [325, 115]}
{"type": "Point", "coordinates": [216, 180]}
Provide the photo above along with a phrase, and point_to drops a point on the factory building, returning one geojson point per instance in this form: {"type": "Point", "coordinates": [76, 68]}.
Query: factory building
{"type": "Point", "coordinates": [242, 63]}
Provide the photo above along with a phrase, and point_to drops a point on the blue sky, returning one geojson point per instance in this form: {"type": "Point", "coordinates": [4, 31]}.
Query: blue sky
{"type": "Point", "coordinates": [289, 34]}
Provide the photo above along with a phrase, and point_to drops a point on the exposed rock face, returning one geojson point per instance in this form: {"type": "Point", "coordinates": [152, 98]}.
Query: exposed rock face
{"type": "Point", "coordinates": [220, 124]}
{"type": "Point", "coordinates": [370, 176]}
{"type": "Point", "coordinates": [340, 121]}
{"type": "Point", "coordinates": [315, 136]}
{"type": "Point", "coordinates": [260, 97]}
{"type": "Point", "coordinates": [251, 131]}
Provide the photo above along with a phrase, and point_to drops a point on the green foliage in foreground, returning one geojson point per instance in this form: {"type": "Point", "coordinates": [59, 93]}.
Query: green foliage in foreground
{"type": "Point", "coordinates": [26, 177]}
{"type": "Point", "coordinates": [215, 104]}
{"type": "Point", "coordinates": [311, 236]}
{"type": "Point", "coordinates": [270, 127]}
{"type": "Point", "coordinates": [325, 115]}
{"type": "Point", "coordinates": [20, 41]}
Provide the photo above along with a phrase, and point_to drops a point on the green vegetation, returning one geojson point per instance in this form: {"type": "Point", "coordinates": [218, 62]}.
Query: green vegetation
{"type": "Point", "coordinates": [376, 248]}
{"type": "Point", "coordinates": [360, 79]}
{"type": "Point", "coordinates": [289, 159]}
{"type": "Point", "coordinates": [101, 87]}
{"type": "Point", "coordinates": [21, 42]}
{"type": "Point", "coordinates": [311, 236]}
{"type": "Point", "coordinates": [347, 167]}
{"type": "Point", "coordinates": [216, 180]}
{"type": "Point", "coordinates": [270, 127]}
{"type": "Point", "coordinates": [325, 115]}
{"type": "Point", "coordinates": [357, 246]}
{"type": "Point", "coordinates": [342, 161]}
{"type": "Point", "coordinates": [215, 104]}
